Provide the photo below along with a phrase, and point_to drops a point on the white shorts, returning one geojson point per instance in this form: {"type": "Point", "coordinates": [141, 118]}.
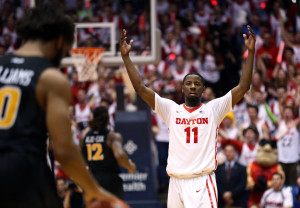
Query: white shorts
{"type": "Point", "coordinates": [199, 192]}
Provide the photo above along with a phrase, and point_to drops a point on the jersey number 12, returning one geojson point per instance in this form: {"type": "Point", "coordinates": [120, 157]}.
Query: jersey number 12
{"type": "Point", "coordinates": [94, 152]}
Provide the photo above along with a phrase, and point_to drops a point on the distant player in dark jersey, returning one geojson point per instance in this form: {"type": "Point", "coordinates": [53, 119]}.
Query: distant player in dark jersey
{"type": "Point", "coordinates": [34, 100]}
{"type": "Point", "coordinates": [103, 152]}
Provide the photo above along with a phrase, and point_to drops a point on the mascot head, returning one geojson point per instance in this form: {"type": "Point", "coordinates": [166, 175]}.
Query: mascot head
{"type": "Point", "coordinates": [267, 154]}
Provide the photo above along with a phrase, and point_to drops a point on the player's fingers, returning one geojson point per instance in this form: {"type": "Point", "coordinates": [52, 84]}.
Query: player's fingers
{"type": "Point", "coordinates": [123, 33]}
{"type": "Point", "coordinates": [131, 42]}
{"type": "Point", "coordinates": [245, 36]}
{"type": "Point", "coordinates": [122, 38]}
{"type": "Point", "coordinates": [251, 31]}
{"type": "Point", "coordinates": [252, 35]}
{"type": "Point", "coordinates": [249, 28]}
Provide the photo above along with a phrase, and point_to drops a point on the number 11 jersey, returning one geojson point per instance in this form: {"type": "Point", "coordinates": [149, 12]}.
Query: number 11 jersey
{"type": "Point", "coordinates": [193, 134]}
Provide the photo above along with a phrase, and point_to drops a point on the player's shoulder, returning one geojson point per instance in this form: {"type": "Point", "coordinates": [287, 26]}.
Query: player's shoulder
{"type": "Point", "coordinates": [53, 77]}
{"type": "Point", "coordinates": [52, 82]}
{"type": "Point", "coordinates": [165, 100]}
{"type": "Point", "coordinates": [114, 135]}
{"type": "Point", "coordinates": [221, 99]}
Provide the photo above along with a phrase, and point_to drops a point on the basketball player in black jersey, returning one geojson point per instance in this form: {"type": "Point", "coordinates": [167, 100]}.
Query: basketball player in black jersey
{"type": "Point", "coordinates": [103, 152]}
{"type": "Point", "coordinates": [34, 100]}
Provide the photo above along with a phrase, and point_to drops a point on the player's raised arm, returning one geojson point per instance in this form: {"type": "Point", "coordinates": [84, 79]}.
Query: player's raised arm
{"type": "Point", "coordinates": [245, 80]}
{"type": "Point", "coordinates": [144, 92]}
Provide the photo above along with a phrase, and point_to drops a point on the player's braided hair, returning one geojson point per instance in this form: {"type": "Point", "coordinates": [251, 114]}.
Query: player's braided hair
{"type": "Point", "coordinates": [46, 23]}
{"type": "Point", "coordinates": [100, 119]}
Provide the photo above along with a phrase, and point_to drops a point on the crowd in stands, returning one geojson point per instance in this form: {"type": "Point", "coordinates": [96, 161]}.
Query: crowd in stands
{"type": "Point", "coordinates": [203, 36]}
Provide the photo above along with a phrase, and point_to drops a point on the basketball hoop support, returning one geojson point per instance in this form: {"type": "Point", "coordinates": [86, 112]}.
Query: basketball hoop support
{"type": "Point", "coordinates": [154, 56]}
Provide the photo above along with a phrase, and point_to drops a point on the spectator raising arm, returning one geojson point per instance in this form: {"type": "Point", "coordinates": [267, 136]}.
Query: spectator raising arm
{"type": "Point", "coordinates": [287, 42]}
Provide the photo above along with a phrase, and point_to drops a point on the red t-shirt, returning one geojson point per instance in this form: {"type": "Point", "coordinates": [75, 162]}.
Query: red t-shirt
{"type": "Point", "coordinates": [269, 56]}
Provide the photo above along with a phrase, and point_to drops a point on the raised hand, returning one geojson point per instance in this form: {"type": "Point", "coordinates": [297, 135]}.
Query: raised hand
{"type": "Point", "coordinates": [250, 41]}
{"type": "Point", "coordinates": [124, 47]}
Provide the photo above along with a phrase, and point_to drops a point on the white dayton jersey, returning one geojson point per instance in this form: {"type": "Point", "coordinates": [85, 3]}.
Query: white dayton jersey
{"type": "Point", "coordinates": [192, 134]}
{"type": "Point", "coordinates": [277, 199]}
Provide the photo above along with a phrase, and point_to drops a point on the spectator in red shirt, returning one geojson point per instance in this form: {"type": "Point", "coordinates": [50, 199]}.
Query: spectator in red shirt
{"type": "Point", "coordinates": [266, 56]}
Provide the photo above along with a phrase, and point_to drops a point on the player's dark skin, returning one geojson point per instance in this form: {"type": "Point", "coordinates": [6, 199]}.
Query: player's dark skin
{"type": "Point", "coordinates": [191, 100]}
{"type": "Point", "coordinates": [192, 89]}
{"type": "Point", "coordinates": [193, 85]}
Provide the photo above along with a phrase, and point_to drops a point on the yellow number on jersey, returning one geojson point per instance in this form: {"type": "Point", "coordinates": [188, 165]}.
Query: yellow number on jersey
{"type": "Point", "coordinates": [94, 152]}
{"type": "Point", "coordinates": [9, 105]}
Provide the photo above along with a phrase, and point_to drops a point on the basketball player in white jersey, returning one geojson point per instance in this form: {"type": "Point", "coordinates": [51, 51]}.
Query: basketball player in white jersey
{"type": "Point", "coordinates": [193, 130]}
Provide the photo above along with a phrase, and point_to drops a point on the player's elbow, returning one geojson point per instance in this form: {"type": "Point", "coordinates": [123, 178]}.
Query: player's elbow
{"type": "Point", "coordinates": [243, 88]}
{"type": "Point", "coordinates": [121, 155]}
{"type": "Point", "coordinates": [140, 89]}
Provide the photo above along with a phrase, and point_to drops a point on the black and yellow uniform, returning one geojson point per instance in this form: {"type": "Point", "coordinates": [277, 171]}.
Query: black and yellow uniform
{"type": "Point", "coordinates": [102, 162]}
{"type": "Point", "coordinates": [25, 178]}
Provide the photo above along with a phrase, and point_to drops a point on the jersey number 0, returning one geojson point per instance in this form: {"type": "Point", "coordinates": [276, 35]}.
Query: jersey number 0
{"type": "Point", "coordinates": [9, 105]}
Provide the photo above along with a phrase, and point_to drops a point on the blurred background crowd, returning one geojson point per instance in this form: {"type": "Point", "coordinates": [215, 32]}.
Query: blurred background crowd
{"type": "Point", "coordinates": [203, 36]}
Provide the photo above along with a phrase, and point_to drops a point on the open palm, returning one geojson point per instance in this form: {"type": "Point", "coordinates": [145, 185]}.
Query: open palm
{"type": "Point", "coordinates": [250, 41]}
{"type": "Point", "coordinates": [124, 47]}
